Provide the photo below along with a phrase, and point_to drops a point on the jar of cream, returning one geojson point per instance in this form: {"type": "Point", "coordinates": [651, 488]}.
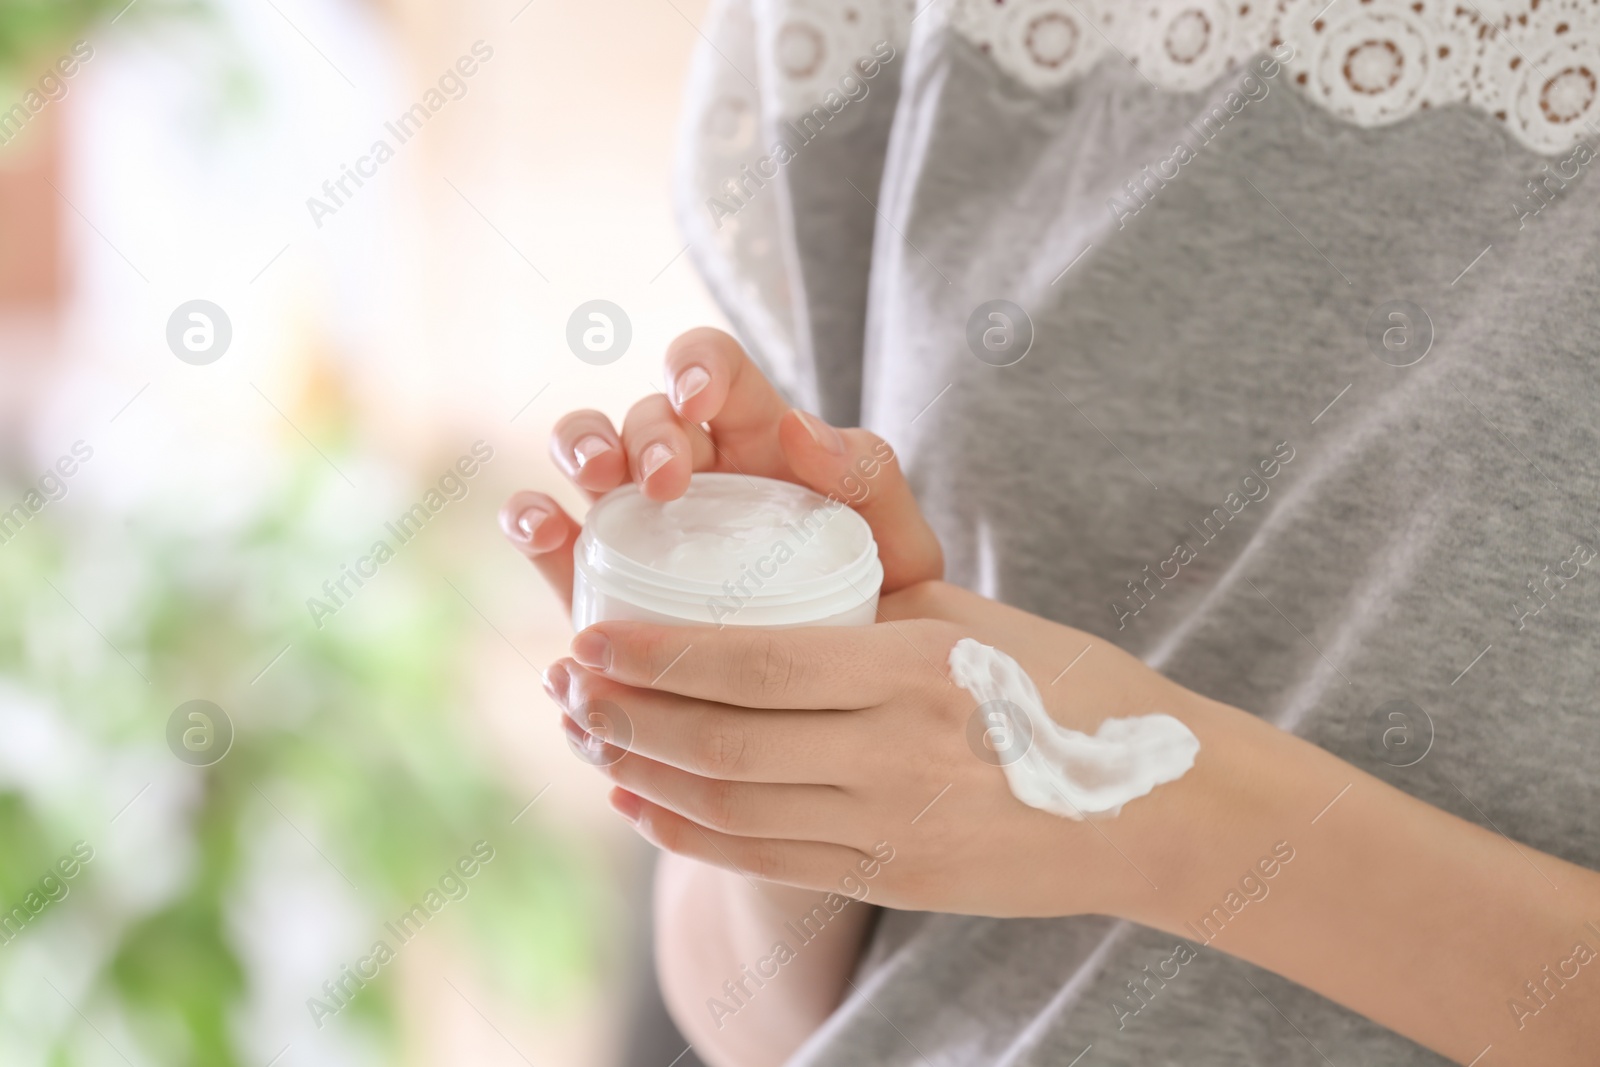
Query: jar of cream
{"type": "Point", "coordinates": [732, 551]}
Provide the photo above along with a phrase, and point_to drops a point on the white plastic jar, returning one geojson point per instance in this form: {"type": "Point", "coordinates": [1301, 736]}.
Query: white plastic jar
{"type": "Point", "coordinates": [732, 551]}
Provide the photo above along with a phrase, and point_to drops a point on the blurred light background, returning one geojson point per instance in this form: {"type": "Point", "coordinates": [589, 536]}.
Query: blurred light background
{"type": "Point", "coordinates": [371, 347]}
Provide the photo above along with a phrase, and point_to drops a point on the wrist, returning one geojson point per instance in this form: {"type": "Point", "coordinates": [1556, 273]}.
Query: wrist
{"type": "Point", "coordinates": [1215, 841]}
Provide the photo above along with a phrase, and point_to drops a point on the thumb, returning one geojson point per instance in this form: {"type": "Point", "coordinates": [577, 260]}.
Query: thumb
{"type": "Point", "coordinates": [859, 468]}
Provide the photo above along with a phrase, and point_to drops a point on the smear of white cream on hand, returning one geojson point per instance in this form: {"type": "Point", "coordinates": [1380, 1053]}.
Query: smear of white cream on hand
{"type": "Point", "coordinates": [1063, 771]}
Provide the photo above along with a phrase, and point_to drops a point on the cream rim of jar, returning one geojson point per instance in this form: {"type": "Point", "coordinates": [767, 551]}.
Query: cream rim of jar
{"type": "Point", "coordinates": [733, 550]}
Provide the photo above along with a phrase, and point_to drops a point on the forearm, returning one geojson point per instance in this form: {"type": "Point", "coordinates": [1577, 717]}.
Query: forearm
{"type": "Point", "coordinates": [738, 1000]}
{"type": "Point", "coordinates": [1267, 848]}
{"type": "Point", "coordinates": [1422, 922]}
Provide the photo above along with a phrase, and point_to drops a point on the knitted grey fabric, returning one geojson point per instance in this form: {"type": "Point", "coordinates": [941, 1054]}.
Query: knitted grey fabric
{"type": "Point", "coordinates": [1427, 534]}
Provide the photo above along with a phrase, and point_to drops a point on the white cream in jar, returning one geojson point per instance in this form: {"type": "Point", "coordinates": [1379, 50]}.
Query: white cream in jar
{"type": "Point", "coordinates": [732, 551]}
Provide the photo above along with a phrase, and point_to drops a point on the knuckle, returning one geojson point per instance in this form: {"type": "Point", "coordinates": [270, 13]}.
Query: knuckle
{"type": "Point", "coordinates": [646, 420]}
{"type": "Point", "coordinates": [573, 423]}
{"type": "Point", "coordinates": [880, 449]}
{"type": "Point", "coordinates": [720, 748]}
{"type": "Point", "coordinates": [768, 664]}
{"type": "Point", "coordinates": [763, 860]}
{"type": "Point", "coordinates": [905, 885]}
{"type": "Point", "coordinates": [656, 649]}
{"type": "Point", "coordinates": [719, 807]}
{"type": "Point", "coordinates": [700, 341]}
{"type": "Point", "coordinates": [953, 710]}
{"type": "Point", "coordinates": [655, 407]}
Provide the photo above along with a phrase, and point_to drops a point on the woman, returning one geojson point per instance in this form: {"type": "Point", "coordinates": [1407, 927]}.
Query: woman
{"type": "Point", "coordinates": [1238, 363]}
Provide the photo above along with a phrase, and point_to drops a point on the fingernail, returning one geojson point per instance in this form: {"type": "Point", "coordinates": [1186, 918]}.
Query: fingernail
{"type": "Point", "coordinates": [528, 522]}
{"type": "Point", "coordinates": [590, 447]}
{"type": "Point", "coordinates": [821, 432]}
{"type": "Point", "coordinates": [556, 681]}
{"type": "Point", "coordinates": [691, 381]}
{"type": "Point", "coordinates": [626, 805]}
{"type": "Point", "coordinates": [593, 650]}
{"type": "Point", "coordinates": [653, 459]}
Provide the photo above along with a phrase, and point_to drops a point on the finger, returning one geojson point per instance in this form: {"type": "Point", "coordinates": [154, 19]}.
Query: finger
{"type": "Point", "coordinates": [537, 527]}
{"type": "Point", "coordinates": [859, 468]}
{"type": "Point", "coordinates": [714, 740]}
{"type": "Point", "coordinates": [662, 452]}
{"type": "Point", "coordinates": [711, 380]}
{"type": "Point", "coordinates": [744, 809]}
{"type": "Point", "coordinates": [588, 450]}
{"type": "Point", "coordinates": [812, 667]}
{"type": "Point", "coordinates": [807, 864]}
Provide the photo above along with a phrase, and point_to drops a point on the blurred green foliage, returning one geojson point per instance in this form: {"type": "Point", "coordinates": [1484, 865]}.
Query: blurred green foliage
{"type": "Point", "coordinates": [30, 28]}
{"type": "Point", "coordinates": [362, 734]}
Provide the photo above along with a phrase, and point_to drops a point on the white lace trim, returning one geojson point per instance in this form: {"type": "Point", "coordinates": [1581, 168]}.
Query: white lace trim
{"type": "Point", "coordinates": [814, 45]}
{"type": "Point", "coordinates": [1533, 65]}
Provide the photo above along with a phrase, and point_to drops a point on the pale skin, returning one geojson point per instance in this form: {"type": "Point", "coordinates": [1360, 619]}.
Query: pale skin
{"type": "Point", "coordinates": [770, 765]}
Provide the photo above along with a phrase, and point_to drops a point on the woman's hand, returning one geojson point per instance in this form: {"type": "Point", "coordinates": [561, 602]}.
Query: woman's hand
{"type": "Point", "coordinates": [720, 414]}
{"type": "Point", "coordinates": [844, 760]}
{"type": "Point", "coordinates": [790, 755]}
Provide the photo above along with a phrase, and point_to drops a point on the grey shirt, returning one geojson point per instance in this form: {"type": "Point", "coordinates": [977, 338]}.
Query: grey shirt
{"type": "Point", "coordinates": [1403, 304]}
